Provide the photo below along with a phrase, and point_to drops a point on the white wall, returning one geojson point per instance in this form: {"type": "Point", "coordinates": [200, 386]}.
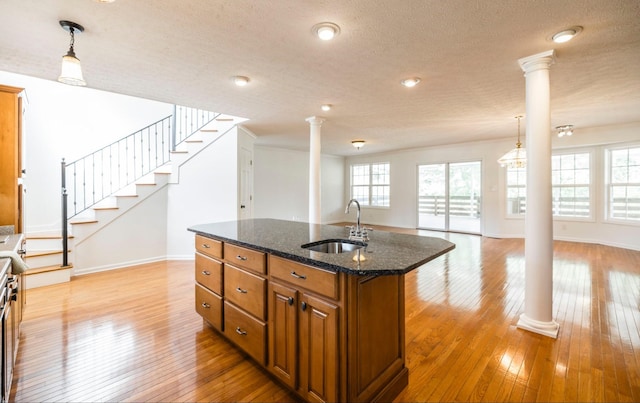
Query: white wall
{"type": "Point", "coordinates": [69, 122]}
{"type": "Point", "coordinates": [281, 185]}
{"type": "Point", "coordinates": [207, 192]}
{"type": "Point", "coordinates": [137, 237]}
{"type": "Point", "coordinates": [495, 223]}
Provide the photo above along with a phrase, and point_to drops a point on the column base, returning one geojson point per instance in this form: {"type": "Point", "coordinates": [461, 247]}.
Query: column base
{"type": "Point", "coordinates": [549, 329]}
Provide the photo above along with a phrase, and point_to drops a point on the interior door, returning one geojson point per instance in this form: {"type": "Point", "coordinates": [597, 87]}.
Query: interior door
{"type": "Point", "coordinates": [246, 184]}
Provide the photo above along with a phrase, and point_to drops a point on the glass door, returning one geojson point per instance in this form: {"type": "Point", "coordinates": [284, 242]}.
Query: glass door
{"type": "Point", "coordinates": [449, 196]}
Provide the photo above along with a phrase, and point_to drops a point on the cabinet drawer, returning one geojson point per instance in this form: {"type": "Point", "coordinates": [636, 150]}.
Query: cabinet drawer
{"type": "Point", "coordinates": [246, 331]}
{"type": "Point", "coordinates": [209, 246]}
{"type": "Point", "coordinates": [209, 306]}
{"type": "Point", "coordinates": [209, 273]}
{"type": "Point", "coordinates": [313, 279]}
{"type": "Point", "coordinates": [246, 258]}
{"type": "Point", "coordinates": [245, 290]}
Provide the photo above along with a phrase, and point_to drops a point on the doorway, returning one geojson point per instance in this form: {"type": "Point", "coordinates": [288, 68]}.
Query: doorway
{"type": "Point", "coordinates": [449, 196]}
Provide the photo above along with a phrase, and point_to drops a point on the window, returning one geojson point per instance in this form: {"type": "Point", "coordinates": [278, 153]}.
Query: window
{"type": "Point", "coordinates": [516, 190]}
{"type": "Point", "coordinates": [623, 184]}
{"type": "Point", "coordinates": [571, 179]}
{"type": "Point", "coordinates": [571, 186]}
{"type": "Point", "coordinates": [371, 183]}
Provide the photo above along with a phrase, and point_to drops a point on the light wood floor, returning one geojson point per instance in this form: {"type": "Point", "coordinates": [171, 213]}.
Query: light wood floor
{"type": "Point", "coordinates": [133, 335]}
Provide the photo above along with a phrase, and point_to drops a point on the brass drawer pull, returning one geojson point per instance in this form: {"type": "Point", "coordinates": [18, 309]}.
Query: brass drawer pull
{"type": "Point", "coordinates": [240, 331]}
{"type": "Point", "coordinates": [241, 257]}
{"type": "Point", "coordinates": [240, 290]}
{"type": "Point", "coordinates": [206, 246]}
{"type": "Point", "coordinates": [206, 272]}
{"type": "Point", "coordinates": [300, 276]}
{"type": "Point", "coordinates": [205, 305]}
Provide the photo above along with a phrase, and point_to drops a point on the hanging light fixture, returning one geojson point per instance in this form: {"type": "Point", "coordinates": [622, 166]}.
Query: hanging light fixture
{"type": "Point", "coordinates": [565, 130]}
{"type": "Point", "coordinates": [71, 71]}
{"type": "Point", "coordinates": [516, 158]}
{"type": "Point", "coordinates": [357, 143]}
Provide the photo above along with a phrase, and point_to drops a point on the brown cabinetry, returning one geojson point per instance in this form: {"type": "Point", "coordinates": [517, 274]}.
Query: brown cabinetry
{"type": "Point", "coordinates": [328, 336]}
{"type": "Point", "coordinates": [208, 274]}
{"type": "Point", "coordinates": [11, 190]}
{"type": "Point", "coordinates": [12, 299]}
{"type": "Point", "coordinates": [303, 329]}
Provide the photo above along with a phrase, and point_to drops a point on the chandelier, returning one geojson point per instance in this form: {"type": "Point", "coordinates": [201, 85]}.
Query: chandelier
{"type": "Point", "coordinates": [516, 158]}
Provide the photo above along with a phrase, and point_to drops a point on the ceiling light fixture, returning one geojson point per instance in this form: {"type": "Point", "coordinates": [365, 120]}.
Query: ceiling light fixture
{"type": "Point", "coordinates": [566, 35]}
{"type": "Point", "coordinates": [516, 158]}
{"type": "Point", "coordinates": [71, 70]}
{"type": "Point", "coordinates": [410, 82]}
{"type": "Point", "coordinates": [565, 130]}
{"type": "Point", "coordinates": [240, 81]}
{"type": "Point", "coordinates": [326, 30]}
{"type": "Point", "coordinates": [326, 107]}
{"type": "Point", "coordinates": [357, 143]}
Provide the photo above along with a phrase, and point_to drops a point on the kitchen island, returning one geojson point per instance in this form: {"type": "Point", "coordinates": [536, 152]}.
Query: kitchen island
{"type": "Point", "coordinates": [330, 326]}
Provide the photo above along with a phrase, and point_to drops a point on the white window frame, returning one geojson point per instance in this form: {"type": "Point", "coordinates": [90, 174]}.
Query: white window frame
{"type": "Point", "coordinates": [608, 184]}
{"type": "Point", "coordinates": [370, 185]}
{"type": "Point", "coordinates": [506, 194]}
{"type": "Point", "coordinates": [592, 189]}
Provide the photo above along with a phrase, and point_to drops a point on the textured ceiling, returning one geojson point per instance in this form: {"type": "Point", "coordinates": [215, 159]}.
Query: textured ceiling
{"type": "Point", "coordinates": [465, 51]}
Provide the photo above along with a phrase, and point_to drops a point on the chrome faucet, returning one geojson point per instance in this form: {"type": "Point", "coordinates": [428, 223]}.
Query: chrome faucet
{"type": "Point", "coordinates": [356, 233]}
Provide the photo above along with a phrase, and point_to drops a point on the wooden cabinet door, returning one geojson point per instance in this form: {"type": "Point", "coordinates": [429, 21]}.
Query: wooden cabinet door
{"type": "Point", "coordinates": [319, 349]}
{"type": "Point", "coordinates": [283, 333]}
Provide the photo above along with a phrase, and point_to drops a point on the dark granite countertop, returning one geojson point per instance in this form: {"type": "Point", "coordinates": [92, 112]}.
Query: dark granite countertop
{"type": "Point", "coordinates": [386, 253]}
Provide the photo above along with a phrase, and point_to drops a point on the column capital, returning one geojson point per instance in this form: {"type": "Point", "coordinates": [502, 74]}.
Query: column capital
{"type": "Point", "coordinates": [315, 120]}
{"type": "Point", "coordinates": [538, 61]}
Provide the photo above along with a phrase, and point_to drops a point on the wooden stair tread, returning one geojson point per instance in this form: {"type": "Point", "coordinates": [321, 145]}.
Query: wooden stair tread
{"type": "Point", "coordinates": [209, 130]}
{"type": "Point", "coordinates": [88, 221]}
{"type": "Point", "coordinates": [50, 236]}
{"type": "Point", "coordinates": [193, 141]}
{"type": "Point", "coordinates": [47, 269]}
{"type": "Point", "coordinates": [38, 253]}
{"type": "Point", "coordinates": [106, 208]}
{"type": "Point", "coordinates": [131, 195]}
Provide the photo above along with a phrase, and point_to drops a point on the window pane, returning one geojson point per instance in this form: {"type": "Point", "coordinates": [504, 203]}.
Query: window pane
{"type": "Point", "coordinates": [370, 184]}
{"type": "Point", "coordinates": [570, 170]}
{"type": "Point", "coordinates": [361, 193]}
{"type": "Point", "coordinates": [516, 190]}
{"type": "Point", "coordinates": [624, 189]}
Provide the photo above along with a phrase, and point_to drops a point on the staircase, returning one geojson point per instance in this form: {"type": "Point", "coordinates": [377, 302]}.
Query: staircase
{"type": "Point", "coordinates": [49, 264]}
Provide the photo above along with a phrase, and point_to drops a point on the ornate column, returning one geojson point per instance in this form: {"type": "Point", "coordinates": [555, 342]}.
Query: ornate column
{"type": "Point", "coordinates": [538, 295]}
{"type": "Point", "coordinates": [315, 201]}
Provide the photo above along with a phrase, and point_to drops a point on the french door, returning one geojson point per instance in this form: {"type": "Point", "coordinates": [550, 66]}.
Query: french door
{"type": "Point", "coordinates": [449, 196]}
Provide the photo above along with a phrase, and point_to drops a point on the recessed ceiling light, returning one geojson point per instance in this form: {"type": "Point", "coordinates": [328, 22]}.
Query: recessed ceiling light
{"type": "Point", "coordinates": [240, 81]}
{"type": "Point", "coordinates": [326, 30]}
{"type": "Point", "coordinates": [410, 82]}
{"type": "Point", "coordinates": [566, 35]}
{"type": "Point", "coordinates": [326, 107]}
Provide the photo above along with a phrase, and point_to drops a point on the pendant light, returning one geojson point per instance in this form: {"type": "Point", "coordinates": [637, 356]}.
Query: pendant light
{"type": "Point", "coordinates": [71, 70]}
{"type": "Point", "coordinates": [516, 158]}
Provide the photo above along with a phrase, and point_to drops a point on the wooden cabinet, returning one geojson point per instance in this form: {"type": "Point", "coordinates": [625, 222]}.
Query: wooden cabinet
{"type": "Point", "coordinates": [208, 274]}
{"type": "Point", "coordinates": [328, 336]}
{"type": "Point", "coordinates": [304, 329]}
{"type": "Point", "coordinates": [245, 300]}
{"type": "Point", "coordinates": [11, 191]}
{"type": "Point", "coordinates": [12, 299]}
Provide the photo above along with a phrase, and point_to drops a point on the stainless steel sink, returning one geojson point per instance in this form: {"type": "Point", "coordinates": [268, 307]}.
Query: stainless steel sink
{"type": "Point", "coordinates": [334, 246]}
